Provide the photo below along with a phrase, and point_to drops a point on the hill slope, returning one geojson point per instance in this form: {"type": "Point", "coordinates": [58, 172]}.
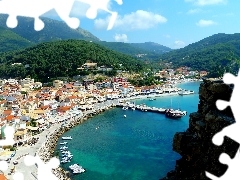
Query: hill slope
{"type": "Point", "coordinates": [145, 51]}
{"type": "Point", "coordinates": [11, 41]}
{"type": "Point", "coordinates": [62, 58]}
{"type": "Point", "coordinates": [217, 53]}
{"type": "Point", "coordinates": [53, 30]}
{"type": "Point", "coordinates": [152, 47]}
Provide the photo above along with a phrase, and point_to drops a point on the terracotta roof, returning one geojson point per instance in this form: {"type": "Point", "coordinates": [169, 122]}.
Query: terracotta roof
{"type": "Point", "coordinates": [44, 107]}
{"type": "Point", "coordinates": [64, 108]}
{"type": "Point", "coordinates": [2, 177]}
{"type": "Point", "coordinates": [9, 117]}
{"type": "Point", "coordinates": [7, 112]}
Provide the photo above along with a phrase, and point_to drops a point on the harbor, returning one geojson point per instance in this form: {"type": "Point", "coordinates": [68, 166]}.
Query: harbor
{"type": "Point", "coordinates": [115, 146]}
{"type": "Point", "coordinates": [169, 112]}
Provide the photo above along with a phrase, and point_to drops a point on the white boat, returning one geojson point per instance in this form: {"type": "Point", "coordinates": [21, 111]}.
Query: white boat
{"type": "Point", "coordinates": [125, 108]}
{"type": "Point", "coordinates": [185, 92]}
{"type": "Point", "coordinates": [67, 138]}
{"type": "Point", "coordinates": [63, 148]}
{"type": "Point", "coordinates": [76, 169]}
{"type": "Point", "coordinates": [125, 115]}
{"type": "Point", "coordinates": [63, 143]}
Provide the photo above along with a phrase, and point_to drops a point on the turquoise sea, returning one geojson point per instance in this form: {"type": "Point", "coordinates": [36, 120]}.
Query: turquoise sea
{"type": "Point", "coordinates": [137, 147]}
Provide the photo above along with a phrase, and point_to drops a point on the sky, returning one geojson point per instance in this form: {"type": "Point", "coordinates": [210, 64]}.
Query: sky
{"type": "Point", "coordinates": [172, 23]}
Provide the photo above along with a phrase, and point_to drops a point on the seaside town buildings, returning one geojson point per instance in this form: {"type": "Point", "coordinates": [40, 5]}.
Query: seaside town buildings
{"type": "Point", "coordinates": [30, 108]}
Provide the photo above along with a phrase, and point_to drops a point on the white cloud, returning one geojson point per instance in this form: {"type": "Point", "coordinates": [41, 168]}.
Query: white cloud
{"type": "Point", "coordinates": [179, 44]}
{"type": "Point", "coordinates": [206, 2]}
{"type": "Point", "coordinates": [136, 20]}
{"type": "Point", "coordinates": [205, 23]}
{"type": "Point", "coordinates": [121, 38]}
{"type": "Point", "coordinates": [167, 36]}
{"type": "Point", "coordinates": [194, 11]}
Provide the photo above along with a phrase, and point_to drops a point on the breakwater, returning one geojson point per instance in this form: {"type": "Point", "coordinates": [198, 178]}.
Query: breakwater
{"type": "Point", "coordinates": [46, 152]}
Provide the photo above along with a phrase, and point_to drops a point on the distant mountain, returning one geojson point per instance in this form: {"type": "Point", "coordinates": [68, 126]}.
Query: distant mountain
{"type": "Point", "coordinates": [217, 54]}
{"type": "Point", "coordinates": [152, 47]}
{"type": "Point", "coordinates": [62, 58]}
{"type": "Point", "coordinates": [145, 51]}
{"type": "Point", "coordinates": [11, 41]}
{"type": "Point", "coordinates": [53, 30]}
{"type": "Point", "coordinates": [122, 47]}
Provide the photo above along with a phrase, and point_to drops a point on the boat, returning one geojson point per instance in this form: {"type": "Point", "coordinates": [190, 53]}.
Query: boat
{"type": "Point", "coordinates": [185, 92]}
{"type": "Point", "coordinates": [76, 168]}
{"type": "Point", "coordinates": [63, 143]}
{"type": "Point", "coordinates": [125, 108]}
{"type": "Point", "coordinates": [67, 138]}
{"type": "Point", "coordinates": [125, 115]}
{"type": "Point", "coordinates": [176, 114]}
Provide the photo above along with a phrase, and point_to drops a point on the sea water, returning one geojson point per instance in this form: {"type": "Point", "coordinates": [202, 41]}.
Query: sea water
{"type": "Point", "coordinates": [138, 147]}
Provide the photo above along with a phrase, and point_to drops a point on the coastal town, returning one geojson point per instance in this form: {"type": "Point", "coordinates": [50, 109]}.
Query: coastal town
{"type": "Point", "coordinates": [35, 111]}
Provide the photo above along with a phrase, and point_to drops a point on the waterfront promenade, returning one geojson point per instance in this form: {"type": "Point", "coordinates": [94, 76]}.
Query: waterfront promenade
{"type": "Point", "coordinates": [31, 171]}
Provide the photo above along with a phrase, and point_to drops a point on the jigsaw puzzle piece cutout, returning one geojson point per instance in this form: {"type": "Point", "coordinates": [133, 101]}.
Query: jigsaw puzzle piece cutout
{"type": "Point", "coordinates": [44, 169]}
{"type": "Point", "coordinates": [91, 13]}
{"type": "Point", "coordinates": [221, 104]}
{"type": "Point", "coordinates": [63, 9]}
{"type": "Point", "coordinates": [229, 78]}
{"type": "Point", "coordinates": [112, 20]}
{"type": "Point", "coordinates": [36, 8]}
{"type": "Point", "coordinates": [9, 134]}
{"type": "Point", "coordinates": [233, 167]}
{"type": "Point", "coordinates": [18, 176]}
{"type": "Point", "coordinates": [230, 131]}
{"type": "Point", "coordinates": [96, 5]}
{"type": "Point", "coordinates": [230, 148]}
{"type": "Point", "coordinates": [3, 165]}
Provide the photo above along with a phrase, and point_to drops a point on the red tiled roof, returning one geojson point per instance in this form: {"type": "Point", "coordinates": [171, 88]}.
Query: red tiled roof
{"type": "Point", "coordinates": [2, 177]}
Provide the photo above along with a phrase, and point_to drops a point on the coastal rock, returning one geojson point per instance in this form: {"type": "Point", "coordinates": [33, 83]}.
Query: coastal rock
{"type": "Point", "coordinates": [195, 145]}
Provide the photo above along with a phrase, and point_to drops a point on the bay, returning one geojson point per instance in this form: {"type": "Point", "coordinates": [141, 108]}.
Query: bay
{"type": "Point", "coordinates": [137, 147]}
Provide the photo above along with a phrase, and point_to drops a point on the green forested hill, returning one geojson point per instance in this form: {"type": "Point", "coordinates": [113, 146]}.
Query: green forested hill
{"type": "Point", "coordinates": [62, 58]}
{"type": "Point", "coordinates": [216, 54]}
{"type": "Point", "coordinates": [11, 41]}
{"type": "Point", "coordinates": [53, 30]}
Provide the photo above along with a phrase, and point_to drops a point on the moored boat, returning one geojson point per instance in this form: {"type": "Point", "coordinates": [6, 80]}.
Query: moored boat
{"type": "Point", "coordinates": [185, 92]}
{"type": "Point", "coordinates": [76, 169]}
{"type": "Point", "coordinates": [67, 138]}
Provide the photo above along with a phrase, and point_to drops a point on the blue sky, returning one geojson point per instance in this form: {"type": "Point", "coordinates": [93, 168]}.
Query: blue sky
{"type": "Point", "coordinates": [172, 23]}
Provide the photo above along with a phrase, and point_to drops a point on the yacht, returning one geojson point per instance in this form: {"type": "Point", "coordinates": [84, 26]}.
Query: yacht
{"type": "Point", "coordinates": [63, 143]}
{"type": "Point", "coordinates": [176, 114]}
{"type": "Point", "coordinates": [63, 148]}
{"type": "Point", "coordinates": [76, 169]}
{"type": "Point", "coordinates": [67, 138]}
{"type": "Point", "coordinates": [185, 92]}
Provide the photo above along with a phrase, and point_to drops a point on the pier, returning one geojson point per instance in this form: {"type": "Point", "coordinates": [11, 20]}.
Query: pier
{"type": "Point", "coordinates": [171, 113]}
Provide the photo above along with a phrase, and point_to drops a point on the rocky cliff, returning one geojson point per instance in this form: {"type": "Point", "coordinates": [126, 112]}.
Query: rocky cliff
{"type": "Point", "coordinates": [195, 145]}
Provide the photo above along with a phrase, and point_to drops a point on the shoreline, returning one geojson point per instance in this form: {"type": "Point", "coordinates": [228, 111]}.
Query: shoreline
{"type": "Point", "coordinates": [48, 146]}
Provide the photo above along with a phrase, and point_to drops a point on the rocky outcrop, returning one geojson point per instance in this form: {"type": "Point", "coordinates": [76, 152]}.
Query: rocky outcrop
{"type": "Point", "coordinates": [195, 145]}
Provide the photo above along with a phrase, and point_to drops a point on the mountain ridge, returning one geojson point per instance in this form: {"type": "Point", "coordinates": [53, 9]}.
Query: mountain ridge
{"type": "Point", "coordinates": [217, 54]}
